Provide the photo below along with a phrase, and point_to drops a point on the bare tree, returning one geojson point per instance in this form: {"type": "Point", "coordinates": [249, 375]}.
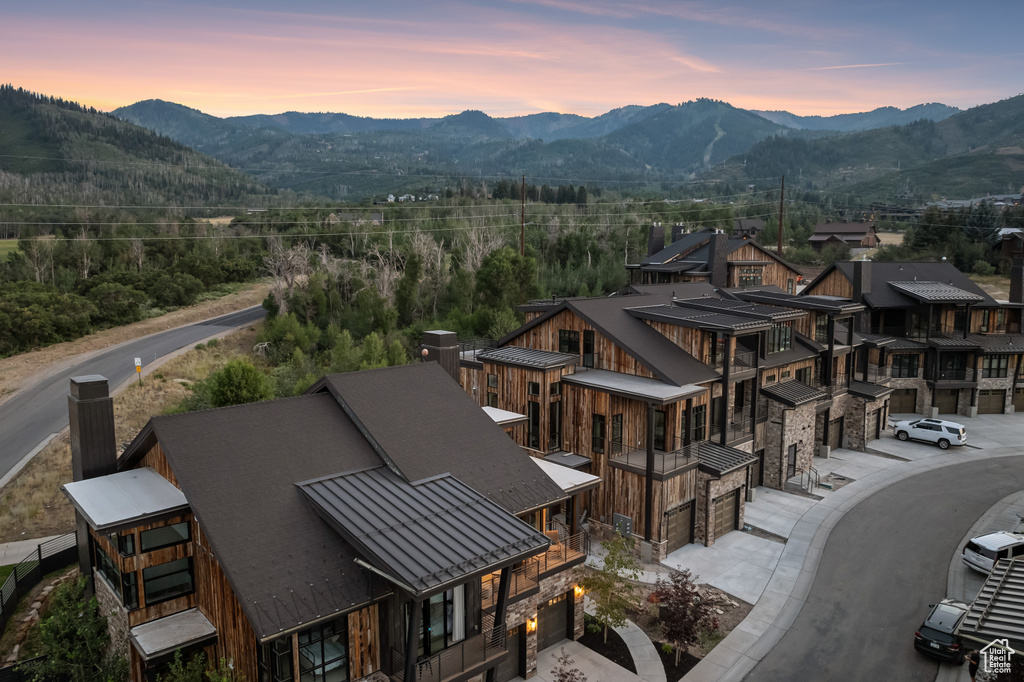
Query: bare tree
{"type": "Point", "coordinates": [476, 244]}
{"type": "Point", "coordinates": [436, 263]}
{"type": "Point", "coordinates": [384, 269]}
{"type": "Point", "coordinates": [138, 253]}
{"type": "Point", "coordinates": [39, 254]}
{"type": "Point", "coordinates": [85, 251]}
{"type": "Point", "coordinates": [286, 266]}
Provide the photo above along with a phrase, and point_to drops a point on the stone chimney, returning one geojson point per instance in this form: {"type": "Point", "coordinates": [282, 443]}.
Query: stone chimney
{"type": "Point", "coordinates": [718, 264]}
{"type": "Point", "coordinates": [93, 448]}
{"type": "Point", "coordinates": [1017, 281]}
{"type": "Point", "coordinates": [443, 348]}
{"type": "Point", "coordinates": [655, 239]}
{"type": "Point", "coordinates": [861, 280]}
{"type": "Point", "coordinates": [678, 230]}
{"type": "Point", "coordinates": [91, 416]}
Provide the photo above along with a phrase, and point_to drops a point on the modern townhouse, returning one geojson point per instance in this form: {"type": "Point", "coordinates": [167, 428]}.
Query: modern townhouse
{"type": "Point", "coordinates": [381, 526]}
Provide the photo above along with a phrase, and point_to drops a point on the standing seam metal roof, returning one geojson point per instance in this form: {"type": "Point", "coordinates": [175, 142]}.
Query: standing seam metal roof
{"type": "Point", "coordinates": [427, 535]}
{"type": "Point", "coordinates": [998, 610]}
{"type": "Point", "coordinates": [527, 357]}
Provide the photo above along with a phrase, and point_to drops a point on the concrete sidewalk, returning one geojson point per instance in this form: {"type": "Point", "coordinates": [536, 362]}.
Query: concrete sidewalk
{"type": "Point", "coordinates": [13, 552]}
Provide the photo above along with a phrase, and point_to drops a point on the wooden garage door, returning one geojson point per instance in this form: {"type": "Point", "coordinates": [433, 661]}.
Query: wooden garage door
{"type": "Point", "coordinates": [991, 401]}
{"type": "Point", "coordinates": [511, 667]}
{"type": "Point", "coordinates": [726, 513]}
{"type": "Point", "coordinates": [679, 527]}
{"type": "Point", "coordinates": [553, 621]}
{"type": "Point", "coordinates": [835, 434]}
{"type": "Point", "coordinates": [1018, 400]}
{"type": "Point", "coordinates": [946, 400]}
{"type": "Point", "coordinates": [903, 400]}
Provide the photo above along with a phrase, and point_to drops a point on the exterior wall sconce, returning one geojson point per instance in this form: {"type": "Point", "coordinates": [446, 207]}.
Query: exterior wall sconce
{"type": "Point", "coordinates": [531, 625]}
{"type": "Point", "coordinates": [579, 591]}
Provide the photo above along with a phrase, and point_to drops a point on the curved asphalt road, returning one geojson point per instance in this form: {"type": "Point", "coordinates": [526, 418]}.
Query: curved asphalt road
{"type": "Point", "coordinates": [33, 414]}
{"type": "Point", "coordinates": [883, 564]}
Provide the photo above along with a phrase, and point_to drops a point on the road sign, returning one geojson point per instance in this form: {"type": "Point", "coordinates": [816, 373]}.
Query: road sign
{"type": "Point", "coordinates": [138, 362]}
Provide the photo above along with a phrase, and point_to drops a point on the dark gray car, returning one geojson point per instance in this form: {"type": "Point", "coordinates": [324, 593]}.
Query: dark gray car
{"type": "Point", "coordinates": [935, 636]}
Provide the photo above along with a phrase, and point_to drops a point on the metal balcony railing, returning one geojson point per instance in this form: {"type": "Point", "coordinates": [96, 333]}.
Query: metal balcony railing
{"type": "Point", "coordinates": [456, 659]}
{"type": "Point", "coordinates": [522, 578]}
{"type": "Point", "coordinates": [674, 457]}
{"type": "Point", "coordinates": [876, 374]}
{"type": "Point", "coordinates": [965, 374]}
{"type": "Point", "coordinates": [735, 430]}
{"type": "Point", "coordinates": [741, 360]}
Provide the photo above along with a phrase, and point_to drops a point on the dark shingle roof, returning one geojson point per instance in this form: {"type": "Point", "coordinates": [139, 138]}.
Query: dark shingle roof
{"type": "Point", "coordinates": [684, 244]}
{"type": "Point", "coordinates": [720, 459]}
{"type": "Point", "coordinates": [884, 296]}
{"type": "Point", "coordinates": [793, 393]}
{"type": "Point", "coordinates": [425, 424]}
{"type": "Point", "coordinates": [426, 536]}
{"type": "Point", "coordinates": [237, 467]}
{"type": "Point", "coordinates": [527, 357]}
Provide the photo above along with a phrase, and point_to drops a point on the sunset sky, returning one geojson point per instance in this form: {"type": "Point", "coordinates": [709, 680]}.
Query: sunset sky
{"type": "Point", "coordinates": [400, 59]}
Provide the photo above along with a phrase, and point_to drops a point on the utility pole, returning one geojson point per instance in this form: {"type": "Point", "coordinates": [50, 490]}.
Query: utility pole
{"type": "Point", "coordinates": [522, 219]}
{"type": "Point", "coordinates": [782, 194]}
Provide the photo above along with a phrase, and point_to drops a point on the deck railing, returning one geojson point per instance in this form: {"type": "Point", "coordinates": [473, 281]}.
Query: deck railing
{"type": "Point", "coordinates": [665, 462]}
{"type": "Point", "coordinates": [456, 659]}
{"type": "Point", "coordinates": [522, 578]}
{"type": "Point", "coordinates": [45, 558]}
{"type": "Point", "coordinates": [741, 360]}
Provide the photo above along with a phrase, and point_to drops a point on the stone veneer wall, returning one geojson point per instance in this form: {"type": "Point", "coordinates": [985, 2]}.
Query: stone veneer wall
{"type": "Point", "coordinates": [522, 610]}
{"type": "Point", "coordinates": [799, 429]}
{"type": "Point", "coordinates": [111, 608]}
{"type": "Point", "coordinates": [710, 488]}
{"type": "Point", "coordinates": [859, 423]}
{"type": "Point", "coordinates": [924, 393]}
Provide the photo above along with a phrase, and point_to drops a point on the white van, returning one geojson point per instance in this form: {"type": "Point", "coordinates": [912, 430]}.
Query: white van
{"type": "Point", "coordinates": [982, 552]}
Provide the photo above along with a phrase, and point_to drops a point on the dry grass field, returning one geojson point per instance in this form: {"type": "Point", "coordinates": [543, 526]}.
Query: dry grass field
{"type": "Point", "coordinates": [32, 505]}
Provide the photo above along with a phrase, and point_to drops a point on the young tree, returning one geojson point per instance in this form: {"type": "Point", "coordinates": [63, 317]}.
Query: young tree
{"type": "Point", "coordinates": [610, 587]}
{"type": "Point", "coordinates": [239, 382]}
{"type": "Point", "coordinates": [684, 615]}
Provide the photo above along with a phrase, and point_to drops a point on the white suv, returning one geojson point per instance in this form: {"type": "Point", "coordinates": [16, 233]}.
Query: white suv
{"type": "Point", "coordinates": [982, 552]}
{"type": "Point", "coordinates": [937, 431]}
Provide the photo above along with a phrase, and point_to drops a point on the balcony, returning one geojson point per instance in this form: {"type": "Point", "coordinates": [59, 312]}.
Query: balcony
{"type": "Point", "coordinates": [962, 374]}
{"type": "Point", "coordinates": [738, 429]}
{"type": "Point", "coordinates": [877, 374]}
{"type": "Point", "coordinates": [666, 462]}
{"type": "Point", "coordinates": [522, 580]}
{"type": "Point", "coordinates": [741, 361]}
{"type": "Point", "coordinates": [570, 550]}
{"type": "Point", "coordinates": [471, 655]}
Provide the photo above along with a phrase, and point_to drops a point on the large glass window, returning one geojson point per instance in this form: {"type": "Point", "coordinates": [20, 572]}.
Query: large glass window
{"type": "Point", "coordinates": [588, 348]}
{"type": "Point", "coordinates": [780, 337]}
{"type": "Point", "coordinates": [167, 581]}
{"type": "Point", "coordinates": [597, 432]}
{"type": "Point", "coordinates": [108, 569]}
{"type": "Point", "coordinates": [821, 329]}
{"type": "Point", "coordinates": [275, 661]}
{"type": "Point", "coordinates": [904, 366]}
{"type": "Point", "coordinates": [698, 422]}
{"type": "Point", "coordinates": [659, 430]}
{"type": "Point", "coordinates": [443, 621]}
{"type": "Point", "coordinates": [554, 425]}
{"type": "Point", "coordinates": [750, 277]}
{"type": "Point", "coordinates": [994, 366]}
{"type": "Point", "coordinates": [165, 536]}
{"type": "Point", "coordinates": [616, 443]}
{"type": "Point", "coordinates": [323, 652]}
{"type": "Point", "coordinates": [568, 341]}
{"type": "Point", "coordinates": [533, 424]}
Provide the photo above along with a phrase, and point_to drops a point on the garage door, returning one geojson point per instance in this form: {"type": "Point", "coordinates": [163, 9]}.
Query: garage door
{"type": "Point", "coordinates": [679, 527]}
{"type": "Point", "coordinates": [511, 667]}
{"type": "Point", "coordinates": [1018, 400]}
{"type": "Point", "coordinates": [946, 400]}
{"type": "Point", "coordinates": [553, 622]}
{"type": "Point", "coordinates": [726, 513]}
{"type": "Point", "coordinates": [757, 470]}
{"type": "Point", "coordinates": [903, 400]}
{"type": "Point", "coordinates": [991, 401]}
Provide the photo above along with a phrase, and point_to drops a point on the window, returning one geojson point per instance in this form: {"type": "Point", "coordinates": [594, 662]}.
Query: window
{"type": "Point", "coordinates": [904, 366]}
{"type": "Point", "coordinates": [994, 366]}
{"type": "Point", "coordinates": [698, 422]}
{"type": "Point", "coordinates": [750, 276]}
{"type": "Point", "coordinates": [108, 569]}
{"type": "Point", "coordinates": [533, 425]}
{"type": "Point", "coordinates": [984, 321]}
{"type": "Point", "coordinates": [167, 581]}
{"type": "Point", "coordinates": [492, 399]}
{"type": "Point", "coordinates": [659, 430]}
{"type": "Point", "coordinates": [597, 432]}
{"type": "Point", "coordinates": [275, 661]}
{"type": "Point", "coordinates": [803, 375]}
{"type": "Point", "coordinates": [492, 381]}
{"type": "Point", "coordinates": [554, 425]}
{"type": "Point", "coordinates": [780, 337]}
{"type": "Point", "coordinates": [785, 374]}
{"type": "Point", "coordinates": [532, 388]}
{"type": "Point", "coordinates": [568, 341]}
{"type": "Point", "coordinates": [790, 288]}
{"type": "Point", "coordinates": [165, 536]}
{"type": "Point", "coordinates": [323, 652]}
{"type": "Point", "coordinates": [555, 388]}
{"type": "Point", "coordinates": [821, 329]}
{"type": "Point", "coordinates": [1001, 320]}
{"type": "Point", "coordinates": [616, 434]}
{"type": "Point", "coordinates": [130, 590]}
{"type": "Point", "coordinates": [588, 348]}
{"type": "Point", "coordinates": [769, 379]}
{"type": "Point", "coordinates": [443, 621]}
{"type": "Point", "coordinates": [125, 542]}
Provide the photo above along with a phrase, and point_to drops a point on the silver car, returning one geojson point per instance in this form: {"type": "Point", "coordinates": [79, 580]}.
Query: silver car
{"type": "Point", "coordinates": [938, 431]}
